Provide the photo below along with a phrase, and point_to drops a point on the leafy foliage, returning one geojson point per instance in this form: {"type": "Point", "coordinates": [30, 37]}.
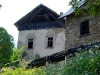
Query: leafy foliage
{"type": "Point", "coordinates": [0, 6]}
{"type": "Point", "coordinates": [22, 71]}
{"type": "Point", "coordinates": [93, 7]}
{"type": "Point", "coordinates": [84, 63]}
{"type": "Point", "coordinates": [22, 63]}
{"type": "Point", "coordinates": [36, 56]}
{"type": "Point", "coordinates": [18, 54]}
{"type": "Point", "coordinates": [6, 45]}
{"type": "Point", "coordinates": [17, 57]}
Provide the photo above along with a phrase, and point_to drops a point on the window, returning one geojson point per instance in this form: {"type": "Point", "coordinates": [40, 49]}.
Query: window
{"type": "Point", "coordinates": [84, 27]}
{"type": "Point", "coordinates": [50, 42]}
{"type": "Point", "coordinates": [30, 43]}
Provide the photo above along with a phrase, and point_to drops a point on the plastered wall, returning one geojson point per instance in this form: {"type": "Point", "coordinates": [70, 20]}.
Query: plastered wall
{"type": "Point", "coordinates": [40, 41]}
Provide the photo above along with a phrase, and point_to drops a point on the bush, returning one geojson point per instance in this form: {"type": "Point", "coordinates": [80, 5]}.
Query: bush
{"type": "Point", "coordinates": [18, 54]}
{"type": "Point", "coordinates": [22, 71]}
{"type": "Point", "coordinates": [84, 63]}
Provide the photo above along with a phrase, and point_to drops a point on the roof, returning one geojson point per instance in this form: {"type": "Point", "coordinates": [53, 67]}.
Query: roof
{"type": "Point", "coordinates": [60, 56]}
{"type": "Point", "coordinates": [41, 25]}
{"type": "Point", "coordinates": [37, 16]}
{"type": "Point", "coordinates": [71, 10]}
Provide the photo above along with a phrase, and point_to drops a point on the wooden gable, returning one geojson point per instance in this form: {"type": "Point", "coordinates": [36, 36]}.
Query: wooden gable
{"type": "Point", "coordinates": [39, 18]}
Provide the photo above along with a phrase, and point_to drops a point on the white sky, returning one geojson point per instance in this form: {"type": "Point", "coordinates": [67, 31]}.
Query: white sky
{"type": "Point", "coordinates": [13, 10]}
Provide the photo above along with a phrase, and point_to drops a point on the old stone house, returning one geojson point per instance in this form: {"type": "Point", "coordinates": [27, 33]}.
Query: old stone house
{"type": "Point", "coordinates": [81, 29]}
{"type": "Point", "coordinates": [41, 32]}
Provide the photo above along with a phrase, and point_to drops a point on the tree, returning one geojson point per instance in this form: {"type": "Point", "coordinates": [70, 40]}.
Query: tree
{"type": "Point", "coordinates": [6, 46]}
{"type": "Point", "coordinates": [0, 6]}
{"type": "Point", "coordinates": [93, 7]}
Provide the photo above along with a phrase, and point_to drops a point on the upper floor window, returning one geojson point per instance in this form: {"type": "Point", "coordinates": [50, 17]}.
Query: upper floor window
{"type": "Point", "coordinates": [50, 42]}
{"type": "Point", "coordinates": [30, 43]}
{"type": "Point", "coordinates": [84, 27]}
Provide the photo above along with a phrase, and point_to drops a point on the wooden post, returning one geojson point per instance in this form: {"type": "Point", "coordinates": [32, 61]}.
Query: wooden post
{"type": "Point", "coordinates": [32, 64]}
{"type": "Point", "coordinates": [47, 60]}
{"type": "Point", "coordinates": [47, 63]}
{"type": "Point", "coordinates": [10, 64]}
{"type": "Point", "coordinates": [0, 67]}
{"type": "Point", "coordinates": [65, 59]}
{"type": "Point", "coordinates": [66, 54]}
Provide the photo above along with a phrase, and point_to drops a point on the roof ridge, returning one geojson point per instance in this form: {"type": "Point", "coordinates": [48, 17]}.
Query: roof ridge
{"type": "Point", "coordinates": [24, 18]}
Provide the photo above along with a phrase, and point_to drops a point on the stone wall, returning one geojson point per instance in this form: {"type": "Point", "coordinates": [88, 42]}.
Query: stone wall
{"type": "Point", "coordinates": [72, 31]}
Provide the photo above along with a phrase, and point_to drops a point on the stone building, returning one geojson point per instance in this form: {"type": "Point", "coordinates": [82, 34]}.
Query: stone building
{"type": "Point", "coordinates": [81, 29]}
{"type": "Point", "coordinates": [41, 32]}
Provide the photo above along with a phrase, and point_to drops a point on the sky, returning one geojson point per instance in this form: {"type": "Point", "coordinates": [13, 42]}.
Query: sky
{"type": "Point", "coordinates": [13, 10]}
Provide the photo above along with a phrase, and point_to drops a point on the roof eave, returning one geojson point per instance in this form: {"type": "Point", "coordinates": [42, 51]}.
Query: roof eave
{"type": "Point", "coordinates": [71, 10]}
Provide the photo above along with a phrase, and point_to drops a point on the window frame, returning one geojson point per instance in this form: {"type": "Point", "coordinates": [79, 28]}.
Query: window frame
{"type": "Point", "coordinates": [50, 41]}
{"type": "Point", "coordinates": [86, 26]}
{"type": "Point", "coordinates": [30, 42]}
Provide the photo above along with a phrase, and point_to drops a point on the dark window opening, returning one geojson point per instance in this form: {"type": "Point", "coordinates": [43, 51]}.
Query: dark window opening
{"type": "Point", "coordinates": [30, 43]}
{"type": "Point", "coordinates": [50, 42]}
{"type": "Point", "coordinates": [84, 27]}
